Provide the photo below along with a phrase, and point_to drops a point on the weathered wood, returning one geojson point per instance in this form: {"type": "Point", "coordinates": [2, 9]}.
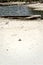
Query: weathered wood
{"type": "Point", "coordinates": [23, 17]}
{"type": "Point", "coordinates": [33, 17]}
{"type": "Point", "coordinates": [11, 3]}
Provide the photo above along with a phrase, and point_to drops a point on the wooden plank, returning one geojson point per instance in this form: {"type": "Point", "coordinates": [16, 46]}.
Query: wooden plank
{"type": "Point", "coordinates": [23, 17]}
{"type": "Point", "coordinates": [33, 17]}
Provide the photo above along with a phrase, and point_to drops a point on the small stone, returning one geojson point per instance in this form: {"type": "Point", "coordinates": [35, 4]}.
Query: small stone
{"type": "Point", "coordinates": [6, 49]}
{"type": "Point", "coordinates": [1, 27]}
{"type": "Point", "coordinates": [19, 40]}
{"type": "Point", "coordinates": [7, 22]}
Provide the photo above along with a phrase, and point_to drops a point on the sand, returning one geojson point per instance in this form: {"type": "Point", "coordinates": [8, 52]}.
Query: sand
{"type": "Point", "coordinates": [21, 42]}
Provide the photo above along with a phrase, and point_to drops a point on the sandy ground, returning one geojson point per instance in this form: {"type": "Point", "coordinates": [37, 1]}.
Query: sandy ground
{"type": "Point", "coordinates": [21, 42]}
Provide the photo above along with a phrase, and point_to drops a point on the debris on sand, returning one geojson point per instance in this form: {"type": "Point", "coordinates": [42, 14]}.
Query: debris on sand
{"type": "Point", "coordinates": [6, 49]}
{"type": "Point", "coordinates": [19, 40]}
{"type": "Point", "coordinates": [6, 22]}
